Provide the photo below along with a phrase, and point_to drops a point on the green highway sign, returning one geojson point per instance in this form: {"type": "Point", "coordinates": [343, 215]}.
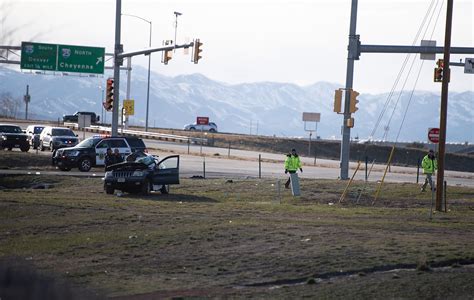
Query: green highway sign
{"type": "Point", "coordinates": [38, 56]}
{"type": "Point", "coordinates": [62, 58]}
{"type": "Point", "coordinates": [81, 59]}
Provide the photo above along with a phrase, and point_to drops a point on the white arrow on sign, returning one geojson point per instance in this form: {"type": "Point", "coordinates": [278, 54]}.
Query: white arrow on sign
{"type": "Point", "coordinates": [99, 60]}
{"type": "Point", "coordinates": [469, 66]}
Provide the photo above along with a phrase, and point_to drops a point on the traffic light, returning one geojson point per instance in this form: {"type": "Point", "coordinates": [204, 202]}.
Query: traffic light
{"type": "Point", "coordinates": [337, 100]}
{"type": "Point", "coordinates": [197, 51]}
{"type": "Point", "coordinates": [438, 74]}
{"type": "Point", "coordinates": [439, 71]}
{"type": "Point", "coordinates": [167, 56]}
{"type": "Point", "coordinates": [353, 103]}
{"type": "Point", "coordinates": [109, 95]}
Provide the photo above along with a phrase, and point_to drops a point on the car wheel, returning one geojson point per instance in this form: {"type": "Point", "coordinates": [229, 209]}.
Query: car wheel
{"type": "Point", "coordinates": [85, 165]}
{"type": "Point", "coordinates": [25, 148]}
{"type": "Point", "coordinates": [212, 130]}
{"type": "Point", "coordinates": [165, 189]}
{"type": "Point", "coordinates": [9, 149]}
{"type": "Point", "coordinates": [192, 129]}
{"type": "Point", "coordinates": [109, 190]}
{"type": "Point", "coordinates": [51, 148]}
{"type": "Point", "coordinates": [41, 146]}
{"type": "Point", "coordinates": [146, 187]}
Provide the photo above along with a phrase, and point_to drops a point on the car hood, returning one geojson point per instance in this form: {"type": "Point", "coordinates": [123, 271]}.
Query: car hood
{"type": "Point", "coordinates": [129, 166]}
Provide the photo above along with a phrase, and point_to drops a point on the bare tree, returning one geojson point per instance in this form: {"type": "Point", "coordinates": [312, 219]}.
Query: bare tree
{"type": "Point", "coordinates": [9, 29]}
{"type": "Point", "coordinates": [9, 105]}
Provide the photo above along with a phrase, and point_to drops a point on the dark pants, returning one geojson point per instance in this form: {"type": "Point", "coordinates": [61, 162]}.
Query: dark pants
{"type": "Point", "coordinates": [287, 184]}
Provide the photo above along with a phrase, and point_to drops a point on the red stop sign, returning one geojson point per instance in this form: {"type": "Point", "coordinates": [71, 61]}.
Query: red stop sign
{"type": "Point", "coordinates": [433, 135]}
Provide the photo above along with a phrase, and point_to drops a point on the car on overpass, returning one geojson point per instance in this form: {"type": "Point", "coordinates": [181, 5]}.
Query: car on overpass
{"type": "Point", "coordinates": [12, 136]}
{"type": "Point", "coordinates": [91, 152]}
{"type": "Point", "coordinates": [143, 174]}
{"type": "Point", "coordinates": [211, 127]}
{"type": "Point", "coordinates": [74, 118]}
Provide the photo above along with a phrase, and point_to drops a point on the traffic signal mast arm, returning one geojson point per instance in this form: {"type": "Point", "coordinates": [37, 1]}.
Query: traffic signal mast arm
{"type": "Point", "coordinates": [148, 51]}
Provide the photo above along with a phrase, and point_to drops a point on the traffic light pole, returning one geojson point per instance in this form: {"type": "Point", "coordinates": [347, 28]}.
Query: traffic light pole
{"type": "Point", "coordinates": [355, 49]}
{"type": "Point", "coordinates": [346, 130]}
{"type": "Point", "coordinates": [117, 63]}
{"type": "Point", "coordinates": [444, 107]}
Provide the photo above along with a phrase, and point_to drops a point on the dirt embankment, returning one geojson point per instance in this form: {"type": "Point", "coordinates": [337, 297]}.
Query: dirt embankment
{"type": "Point", "coordinates": [331, 150]}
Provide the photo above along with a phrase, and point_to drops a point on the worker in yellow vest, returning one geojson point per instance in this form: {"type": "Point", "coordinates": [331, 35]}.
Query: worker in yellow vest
{"type": "Point", "coordinates": [429, 165]}
{"type": "Point", "coordinates": [292, 164]}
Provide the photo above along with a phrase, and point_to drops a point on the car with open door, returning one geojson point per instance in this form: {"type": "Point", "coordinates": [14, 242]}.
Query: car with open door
{"type": "Point", "coordinates": [144, 174]}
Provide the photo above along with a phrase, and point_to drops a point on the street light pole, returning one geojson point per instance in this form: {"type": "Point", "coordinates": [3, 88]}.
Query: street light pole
{"type": "Point", "coordinates": [148, 85]}
{"type": "Point", "coordinates": [149, 67]}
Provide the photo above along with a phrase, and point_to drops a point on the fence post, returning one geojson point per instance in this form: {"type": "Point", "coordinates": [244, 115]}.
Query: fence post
{"type": "Point", "coordinates": [366, 167]}
{"type": "Point", "coordinates": [228, 152]}
{"type": "Point", "coordinates": [260, 166]}
{"type": "Point", "coordinates": [189, 143]}
{"type": "Point", "coordinates": [204, 167]}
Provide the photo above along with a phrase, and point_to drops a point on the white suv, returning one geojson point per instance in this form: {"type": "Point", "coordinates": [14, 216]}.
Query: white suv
{"type": "Point", "coordinates": [211, 127]}
{"type": "Point", "coordinates": [57, 137]}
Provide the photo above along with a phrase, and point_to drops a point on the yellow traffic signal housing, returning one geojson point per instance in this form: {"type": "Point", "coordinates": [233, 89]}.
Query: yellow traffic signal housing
{"type": "Point", "coordinates": [337, 101]}
{"type": "Point", "coordinates": [440, 63]}
{"type": "Point", "coordinates": [353, 102]}
{"type": "Point", "coordinates": [438, 74]}
{"type": "Point", "coordinates": [109, 97]}
{"type": "Point", "coordinates": [350, 122]}
{"type": "Point", "coordinates": [167, 56]}
{"type": "Point", "coordinates": [197, 51]}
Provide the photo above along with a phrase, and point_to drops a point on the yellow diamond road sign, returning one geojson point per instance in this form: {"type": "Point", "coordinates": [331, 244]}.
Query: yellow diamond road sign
{"type": "Point", "coordinates": [129, 107]}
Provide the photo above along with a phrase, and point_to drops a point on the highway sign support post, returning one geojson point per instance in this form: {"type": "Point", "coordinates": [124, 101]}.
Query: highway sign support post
{"type": "Point", "coordinates": [313, 118]}
{"type": "Point", "coordinates": [355, 48]}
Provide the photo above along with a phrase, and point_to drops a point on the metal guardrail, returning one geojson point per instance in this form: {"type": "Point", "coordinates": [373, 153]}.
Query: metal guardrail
{"type": "Point", "coordinates": [140, 134]}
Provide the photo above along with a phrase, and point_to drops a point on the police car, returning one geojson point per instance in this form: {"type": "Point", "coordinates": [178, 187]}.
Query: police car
{"type": "Point", "coordinates": [91, 152]}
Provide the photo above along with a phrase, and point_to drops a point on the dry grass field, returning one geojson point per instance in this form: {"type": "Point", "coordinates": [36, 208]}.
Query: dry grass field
{"type": "Point", "coordinates": [230, 238]}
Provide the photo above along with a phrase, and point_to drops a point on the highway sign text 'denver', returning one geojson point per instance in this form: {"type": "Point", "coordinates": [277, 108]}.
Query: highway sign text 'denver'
{"type": "Point", "coordinates": [62, 58]}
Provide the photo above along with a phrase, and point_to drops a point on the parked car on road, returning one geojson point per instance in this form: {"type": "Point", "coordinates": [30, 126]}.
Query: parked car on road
{"type": "Point", "coordinates": [75, 117]}
{"type": "Point", "coordinates": [142, 175]}
{"type": "Point", "coordinates": [34, 132]}
{"type": "Point", "coordinates": [12, 136]}
{"type": "Point", "coordinates": [57, 137]}
{"type": "Point", "coordinates": [91, 152]}
{"type": "Point", "coordinates": [211, 127]}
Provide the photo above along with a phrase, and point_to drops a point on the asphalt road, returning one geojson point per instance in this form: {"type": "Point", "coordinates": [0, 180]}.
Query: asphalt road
{"type": "Point", "coordinates": [242, 163]}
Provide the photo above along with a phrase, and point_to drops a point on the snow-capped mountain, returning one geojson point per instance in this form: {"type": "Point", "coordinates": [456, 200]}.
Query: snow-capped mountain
{"type": "Point", "coordinates": [275, 108]}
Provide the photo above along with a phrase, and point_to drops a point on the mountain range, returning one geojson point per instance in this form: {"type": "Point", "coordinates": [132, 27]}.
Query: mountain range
{"type": "Point", "coordinates": [266, 108]}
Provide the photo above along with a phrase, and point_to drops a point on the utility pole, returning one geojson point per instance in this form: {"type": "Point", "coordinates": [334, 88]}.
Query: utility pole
{"type": "Point", "coordinates": [444, 107]}
{"type": "Point", "coordinates": [27, 99]}
{"type": "Point", "coordinates": [118, 49]}
{"type": "Point", "coordinates": [352, 55]}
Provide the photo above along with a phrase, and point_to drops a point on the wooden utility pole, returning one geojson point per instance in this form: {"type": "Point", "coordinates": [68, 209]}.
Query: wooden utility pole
{"type": "Point", "coordinates": [444, 107]}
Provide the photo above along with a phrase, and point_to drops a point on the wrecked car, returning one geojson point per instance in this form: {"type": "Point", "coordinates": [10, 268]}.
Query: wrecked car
{"type": "Point", "coordinates": [142, 174]}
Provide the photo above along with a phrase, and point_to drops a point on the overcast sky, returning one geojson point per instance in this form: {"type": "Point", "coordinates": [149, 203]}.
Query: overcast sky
{"type": "Point", "coordinates": [300, 42]}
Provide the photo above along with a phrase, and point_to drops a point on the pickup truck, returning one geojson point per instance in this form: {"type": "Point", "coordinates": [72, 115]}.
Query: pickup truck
{"type": "Point", "coordinates": [75, 117]}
